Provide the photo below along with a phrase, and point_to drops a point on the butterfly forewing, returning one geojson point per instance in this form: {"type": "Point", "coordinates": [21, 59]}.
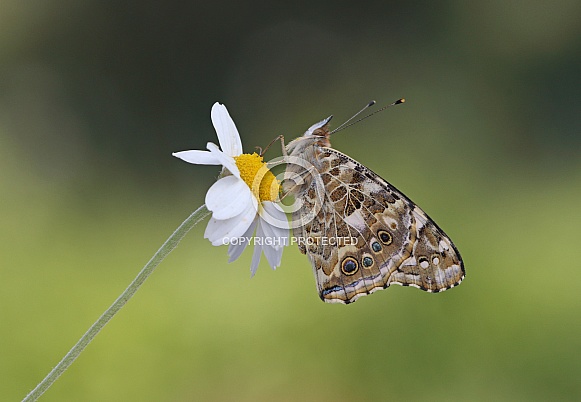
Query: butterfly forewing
{"type": "Point", "coordinates": [361, 234]}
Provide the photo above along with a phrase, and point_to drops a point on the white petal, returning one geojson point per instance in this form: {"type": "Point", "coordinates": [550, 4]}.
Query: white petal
{"type": "Point", "coordinates": [220, 232]}
{"type": "Point", "coordinates": [274, 216]}
{"type": "Point", "coordinates": [273, 255]}
{"type": "Point", "coordinates": [277, 238]}
{"type": "Point", "coordinates": [228, 197]}
{"type": "Point", "coordinates": [198, 157]}
{"type": "Point", "coordinates": [225, 160]}
{"type": "Point", "coordinates": [257, 250]}
{"type": "Point", "coordinates": [226, 129]}
{"type": "Point", "coordinates": [275, 223]}
{"type": "Point", "coordinates": [235, 250]}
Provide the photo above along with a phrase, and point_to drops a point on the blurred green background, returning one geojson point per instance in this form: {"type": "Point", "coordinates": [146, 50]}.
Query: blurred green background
{"type": "Point", "coordinates": [96, 95]}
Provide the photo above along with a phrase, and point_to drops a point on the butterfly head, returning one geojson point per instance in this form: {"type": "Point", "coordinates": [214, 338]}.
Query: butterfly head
{"type": "Point", "coordinates": [320, 132]}
{"type": "Point", "coordinates": [316, 135]}
{"type": "Point", "coordinates": [319, 128]}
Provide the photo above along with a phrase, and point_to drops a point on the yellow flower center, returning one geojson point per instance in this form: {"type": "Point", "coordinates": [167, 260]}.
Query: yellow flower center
{"type": "Point", "coordinates": [259, 178]}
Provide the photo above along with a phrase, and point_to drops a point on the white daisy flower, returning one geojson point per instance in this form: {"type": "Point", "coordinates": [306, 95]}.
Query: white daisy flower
{"type": "Point", "coordinates": [242, 200]}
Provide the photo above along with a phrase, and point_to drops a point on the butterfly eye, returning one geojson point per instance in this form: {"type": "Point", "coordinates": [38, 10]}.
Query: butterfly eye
{"type": "Point", "coordinates": [349, 266]}
{"type": "Point", "coordinates": [385, 237]}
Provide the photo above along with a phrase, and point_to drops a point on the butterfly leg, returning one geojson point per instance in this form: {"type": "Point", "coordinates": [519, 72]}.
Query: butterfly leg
{"type": "Point", "coordinates": [281, 138]}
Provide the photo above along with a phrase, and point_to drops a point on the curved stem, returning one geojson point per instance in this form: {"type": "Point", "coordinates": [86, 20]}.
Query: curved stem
{"type": "Point", "coordinates": [147, 270]}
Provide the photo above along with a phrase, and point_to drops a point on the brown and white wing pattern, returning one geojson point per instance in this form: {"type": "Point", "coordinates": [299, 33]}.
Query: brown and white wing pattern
{"type": "Point", "coordinates": [361, 234]}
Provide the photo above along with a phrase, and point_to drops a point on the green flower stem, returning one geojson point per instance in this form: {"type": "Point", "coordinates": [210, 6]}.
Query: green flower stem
{"type": "Point", "coordinates": [171, 243]}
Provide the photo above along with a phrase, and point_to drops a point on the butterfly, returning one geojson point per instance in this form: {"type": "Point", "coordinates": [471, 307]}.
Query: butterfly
{"type": "Point", "coordinates": [359, 232]}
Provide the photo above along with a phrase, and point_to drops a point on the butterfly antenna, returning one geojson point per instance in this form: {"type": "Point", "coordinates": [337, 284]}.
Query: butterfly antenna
{"type": "Point", "coordinates": [345, 125]}
{"type": "Point", "coordinates": [355, 115]}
